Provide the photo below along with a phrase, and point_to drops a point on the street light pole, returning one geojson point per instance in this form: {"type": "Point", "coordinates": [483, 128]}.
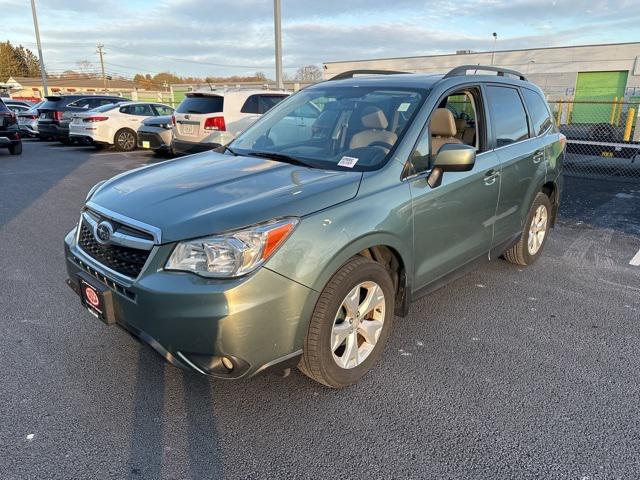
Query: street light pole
{"type": "Point", "coordinates": [35, 25]}
{"type": "Point", "coordinates": [278, 33]}
{"type": "Point", "coordinates": [493, 53]}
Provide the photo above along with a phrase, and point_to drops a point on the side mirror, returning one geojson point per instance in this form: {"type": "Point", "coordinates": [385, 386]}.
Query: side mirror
{"type": "Point", "coordinates": [452, 157]}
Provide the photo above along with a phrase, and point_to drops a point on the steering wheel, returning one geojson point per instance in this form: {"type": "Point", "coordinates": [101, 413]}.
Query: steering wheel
{"type": "Point", "coordinates": [381, 144]}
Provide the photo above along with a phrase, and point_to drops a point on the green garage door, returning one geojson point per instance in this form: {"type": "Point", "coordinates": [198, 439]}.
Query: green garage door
{"type": "Point", "coordinates": [597, 87]}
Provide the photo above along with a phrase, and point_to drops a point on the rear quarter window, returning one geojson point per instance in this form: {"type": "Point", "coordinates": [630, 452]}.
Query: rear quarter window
{"type": "Point", "coordinates": [538, 111]}
{"type": "Point", "coordinates": [201, 104]}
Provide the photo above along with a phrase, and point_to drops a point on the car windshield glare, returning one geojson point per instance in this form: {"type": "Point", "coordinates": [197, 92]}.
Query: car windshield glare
{"type": "Point", "coordinates": [335, 127]}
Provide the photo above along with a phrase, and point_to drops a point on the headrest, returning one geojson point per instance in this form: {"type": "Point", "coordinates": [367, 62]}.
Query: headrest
{"type": "Point", "coordinates": [461, 124]}
{"type": "Point", "coordinates": [442, 123]}
{"type": "Point", "coordinates": [374, 118]}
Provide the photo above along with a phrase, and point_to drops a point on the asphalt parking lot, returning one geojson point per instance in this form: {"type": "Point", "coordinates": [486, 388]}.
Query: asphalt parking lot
{"type": "Point", "coordinates": [505, 373]}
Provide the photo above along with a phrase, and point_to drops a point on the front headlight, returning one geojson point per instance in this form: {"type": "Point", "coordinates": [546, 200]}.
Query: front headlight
{"type": "Point", "coordinates": [93, 189]}
{"type": "Point", "coordinates": [231, 254]}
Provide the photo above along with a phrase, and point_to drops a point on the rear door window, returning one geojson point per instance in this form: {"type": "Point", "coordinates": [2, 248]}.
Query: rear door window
{"type": "Point", "coordinates": [507, 114]}
{"type": "Point", "coordinates": [200, 104]}
{"type": "Point", "coordinates": [267, 102]}
{"type": "Point", "coordinates": [538, 111]}
{"type": "Point", "coordinates": [143, 110]}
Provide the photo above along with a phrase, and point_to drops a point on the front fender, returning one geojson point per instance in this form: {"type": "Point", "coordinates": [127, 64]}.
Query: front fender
{"type": "Point", "coordinates": [325, 240]}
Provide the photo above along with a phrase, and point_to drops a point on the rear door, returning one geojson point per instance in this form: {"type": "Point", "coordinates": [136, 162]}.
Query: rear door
{"type": "Point", "coordinates": [133, 115]}
{"type": "Point", "coordinates": [521, 155]}
{"type": "Point", "coordinates": [192, 115]}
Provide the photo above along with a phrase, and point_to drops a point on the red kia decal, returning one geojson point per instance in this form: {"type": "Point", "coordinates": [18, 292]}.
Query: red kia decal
{"type": "Point", "coordinates": [92, 298]}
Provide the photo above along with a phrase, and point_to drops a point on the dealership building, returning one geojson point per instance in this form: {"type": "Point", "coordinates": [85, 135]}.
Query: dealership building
{"type": "Point", "coordinates": [586, 72]}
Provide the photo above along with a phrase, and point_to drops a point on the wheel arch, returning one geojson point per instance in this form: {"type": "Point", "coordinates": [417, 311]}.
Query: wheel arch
{"type": "Point", "coordinates": [385, 249]}
{"type": "Point", "coordinates": [551, 190]}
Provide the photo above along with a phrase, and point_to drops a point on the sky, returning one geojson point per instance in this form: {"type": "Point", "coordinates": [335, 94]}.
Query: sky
{"type": "Point", "coordinates": [226, 37]}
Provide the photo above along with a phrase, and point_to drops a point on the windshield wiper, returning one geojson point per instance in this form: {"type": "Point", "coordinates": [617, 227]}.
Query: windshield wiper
{"type": "Point", "coordinates": [280, 157]}
{"type": "Point", "coordinates": [224, 148]}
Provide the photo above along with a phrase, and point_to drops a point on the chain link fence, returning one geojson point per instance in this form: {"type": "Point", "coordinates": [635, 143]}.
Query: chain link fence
{"type": "Point", "coordinates": [603, 137]}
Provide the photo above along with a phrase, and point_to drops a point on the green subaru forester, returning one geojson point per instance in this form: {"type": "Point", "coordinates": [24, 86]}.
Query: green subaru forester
{"type": "Point", "coordinates": [299, 242]}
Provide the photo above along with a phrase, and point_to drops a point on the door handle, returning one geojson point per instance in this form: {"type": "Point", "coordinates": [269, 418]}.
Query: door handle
{"type": "Point", "coordinates": [491, 176]}
{"type": "Point", "coordinates": [538, 156]}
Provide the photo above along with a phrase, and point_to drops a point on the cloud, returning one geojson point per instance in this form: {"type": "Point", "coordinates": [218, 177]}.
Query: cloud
{"type": "Point", "coordinates": [199, 37]}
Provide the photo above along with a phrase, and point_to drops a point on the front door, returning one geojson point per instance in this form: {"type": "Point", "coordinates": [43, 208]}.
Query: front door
{"type": "Point", "coordinates": [453, 223]}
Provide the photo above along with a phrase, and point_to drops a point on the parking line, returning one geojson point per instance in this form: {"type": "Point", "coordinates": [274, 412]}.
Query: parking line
{"type": "Point", "coordinates": [635, 261]}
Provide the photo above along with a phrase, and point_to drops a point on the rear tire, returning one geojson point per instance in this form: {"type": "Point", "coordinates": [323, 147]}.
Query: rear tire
{"type": "Point", "coordinates": [65, 141]}
{"type": "Point", "coordinates": [349, 325]}
{"type": "Point", "coordinates": [125, 140]}
{"type": "Point", "coordinates": [534, 234]}
{"type": "Point", "coordinates": [16, 149]}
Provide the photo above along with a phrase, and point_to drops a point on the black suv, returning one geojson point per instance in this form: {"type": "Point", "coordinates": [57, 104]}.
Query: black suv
{"type": "Point", "coordinates": [56, 112]}
{"type": "Point", "coordinates": [9, 130]}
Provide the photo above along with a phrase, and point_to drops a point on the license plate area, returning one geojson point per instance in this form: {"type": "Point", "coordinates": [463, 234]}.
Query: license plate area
{"type": "Point", "coordinates": [97, 298]}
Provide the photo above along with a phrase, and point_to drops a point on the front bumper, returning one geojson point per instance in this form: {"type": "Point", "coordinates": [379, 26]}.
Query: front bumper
{"type": "Point", "coordinates": [155, 139]}
{"type": "Point", "coordinates": [256, 321]}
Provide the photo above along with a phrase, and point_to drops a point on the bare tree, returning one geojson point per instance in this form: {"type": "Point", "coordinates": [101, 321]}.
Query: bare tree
{"type": "Point", "coordinates": [85, 66]}
{"type": "Point", "coordinates": [309, 73]}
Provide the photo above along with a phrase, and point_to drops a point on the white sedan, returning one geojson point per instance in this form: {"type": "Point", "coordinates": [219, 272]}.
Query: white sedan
{"type": "Point", "coordinates": [115, 124]}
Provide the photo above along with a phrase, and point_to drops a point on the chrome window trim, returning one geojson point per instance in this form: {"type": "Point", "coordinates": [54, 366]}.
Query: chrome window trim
{"type": "Point", "coordinates": [155, 232]}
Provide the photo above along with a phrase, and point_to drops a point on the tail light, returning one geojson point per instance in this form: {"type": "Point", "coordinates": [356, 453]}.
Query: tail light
{"type": "Point", "coordinates": [173, 120]}
{"type": "Point", "coordinates": [57, 115]}
{"type": "Point", "coordinates": [95, 119]}
{"type": "Point", "coordinates": [32, 117]}
{"type": "Point", "coordinates": [215, 123]}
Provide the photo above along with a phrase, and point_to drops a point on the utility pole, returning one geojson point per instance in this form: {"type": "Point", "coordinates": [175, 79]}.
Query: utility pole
{"type": "Point", "coordinates": [104, 77]}
{"type": "Point", "coordinates": [35, 25]}
{"type": "Point", "coordinates": [278, 31]}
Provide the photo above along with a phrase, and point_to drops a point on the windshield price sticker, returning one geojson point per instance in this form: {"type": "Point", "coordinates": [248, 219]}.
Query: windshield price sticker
{"type": "Point", "coordinates": [403, 107]}
{"type": "Point", "coordinates": [348, 162]}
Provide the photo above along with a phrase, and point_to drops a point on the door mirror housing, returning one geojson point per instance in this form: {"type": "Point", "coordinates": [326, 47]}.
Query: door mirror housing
{"type": "Point", "coordinates": [452, 157]}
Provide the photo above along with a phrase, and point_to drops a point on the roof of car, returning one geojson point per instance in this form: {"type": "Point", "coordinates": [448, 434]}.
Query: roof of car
{"type": "Point", "coordinates": [242, 91]}
{"type": "Point", "coordinates": [426, 80]}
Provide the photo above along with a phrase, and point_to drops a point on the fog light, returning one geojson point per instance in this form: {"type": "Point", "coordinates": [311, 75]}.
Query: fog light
{"type": "Point", "coordinates": [227, 363]}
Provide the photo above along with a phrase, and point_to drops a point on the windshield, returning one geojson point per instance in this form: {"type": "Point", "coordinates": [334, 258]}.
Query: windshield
{"type": "Point", "coordinates": [337, 127]}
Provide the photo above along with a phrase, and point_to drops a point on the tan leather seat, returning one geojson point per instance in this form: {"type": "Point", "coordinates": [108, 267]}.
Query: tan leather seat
{"type": "Point", "coordinates": [461, 124]}
{"type": "Point", "coordinates": [375, 122]}
{"type": "Point", "coordinates": [443, 129]}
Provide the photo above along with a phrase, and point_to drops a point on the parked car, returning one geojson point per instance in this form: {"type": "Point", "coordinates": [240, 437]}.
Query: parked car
{"type": "Point", "coordinates": [156, 134]}
{"type": "Point", "coordinates": [300, 249]}
{"type": "Point", "coordinates": [207, 120]}
{"type": "Point", "coordinates": [10, 102]}
{"type": "Point", "coordinates": [114, 124]}
{"type": "Point", "coordinates": [57, 110]}
{"type": "Point", "coordinates": [28, 121]}
{"type": "Point", "coordinates": [9, 130]}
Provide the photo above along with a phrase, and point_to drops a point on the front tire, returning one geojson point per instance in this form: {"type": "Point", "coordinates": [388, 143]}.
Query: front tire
{"type": "Point", "coordinates": [125, 140]}
{"type": "Point", "coordinates": [534, 234]}
{"type": "Point", "coordinates": [350, 324]}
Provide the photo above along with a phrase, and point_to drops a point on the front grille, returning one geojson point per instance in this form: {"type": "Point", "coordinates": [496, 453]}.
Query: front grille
{"type": "Point", "coordinates": [124, 260]}
{"type": "Point", "coordinates": [154, 140]}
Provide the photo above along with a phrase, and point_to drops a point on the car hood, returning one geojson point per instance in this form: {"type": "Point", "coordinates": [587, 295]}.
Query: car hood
{"type": "Point", "coordinates": [155, 121]}
{"type": "Point", "coordinates": [210, 193]}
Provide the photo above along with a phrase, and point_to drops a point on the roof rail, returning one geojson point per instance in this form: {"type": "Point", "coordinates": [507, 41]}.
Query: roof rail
{"type": "Point", "coordinates": [462, 70]}
{"type": "Point", "coordinates": [353, 73]}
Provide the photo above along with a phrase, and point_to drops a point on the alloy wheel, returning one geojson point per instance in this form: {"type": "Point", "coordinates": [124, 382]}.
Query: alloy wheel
{"type": "Point", "coordinates": [357, 325]}
{"type": "Point", "coordinates": [126, 141]}
{"type": "Point", "coordinates": [537, 230]}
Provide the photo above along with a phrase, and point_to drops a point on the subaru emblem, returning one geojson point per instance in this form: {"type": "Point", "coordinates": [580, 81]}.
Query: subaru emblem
{"type": "Point", "coordinates": [103, 232]}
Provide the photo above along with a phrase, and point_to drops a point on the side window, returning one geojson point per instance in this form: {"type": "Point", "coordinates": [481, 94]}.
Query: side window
{"type": "Point", "coordinates": [457, 119]}
{"type": "Point", "coordinates": [540, 116]}
{"type": "Point", "coordinates": [508, 115]}
{"type": "Point", "coordinates": [163, 110]}
{"type": "Point", "coordinates": [250, 105]}
{"type": "Point", "coordinates": [267, 102]}
{"type": "Point", "coordinates": [81, 103]}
